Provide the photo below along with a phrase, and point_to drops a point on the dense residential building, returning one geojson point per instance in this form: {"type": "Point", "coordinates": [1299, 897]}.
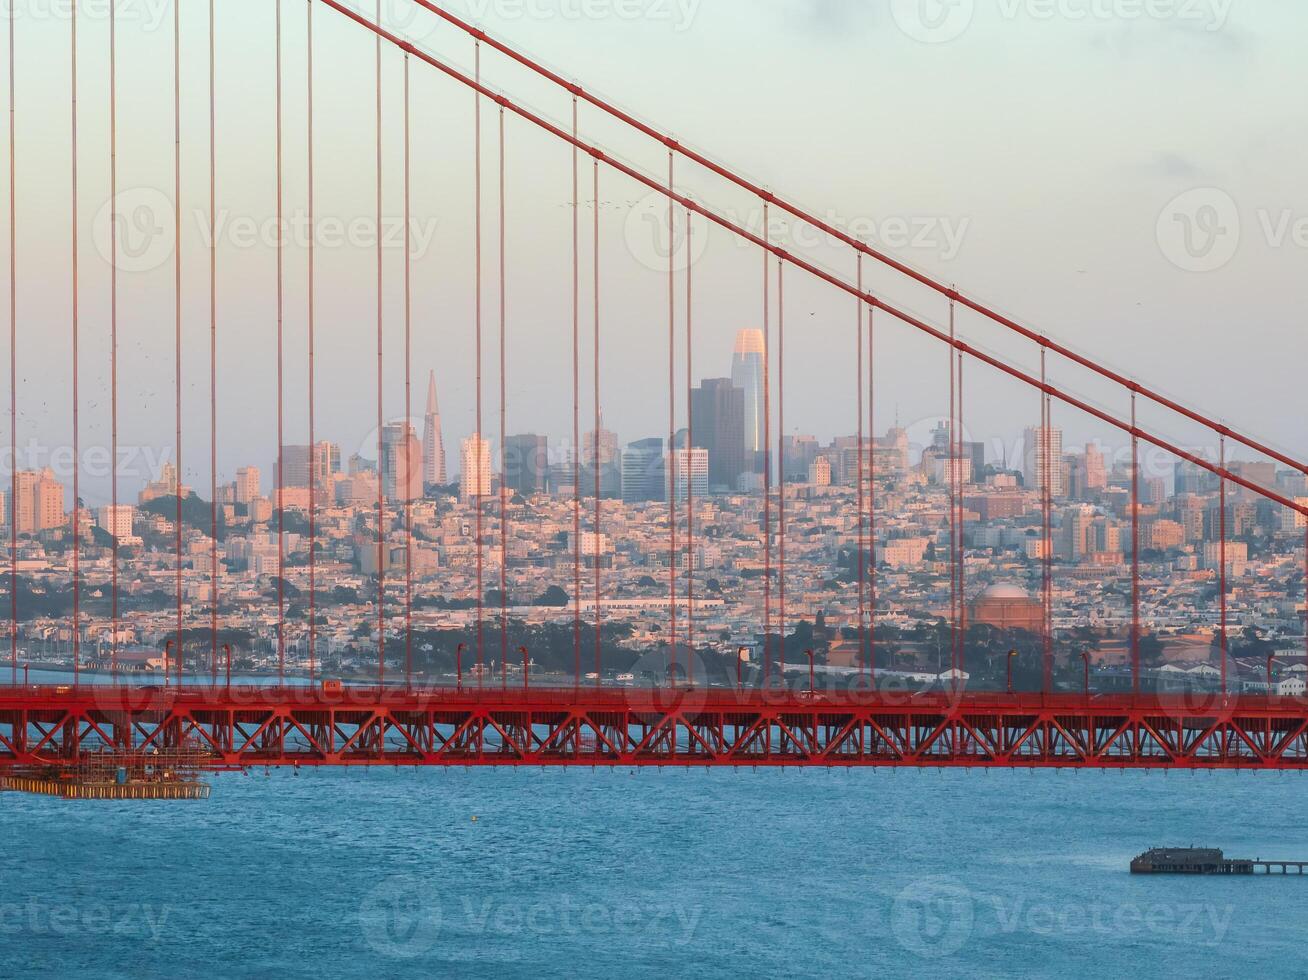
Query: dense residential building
{"type": "Point", "coordinates": [39, 504]}
{"type": "Point", "coordinates": [116, 521]}
{"type": "Point", "coordinates": [1043, 454]}
{"type": "Point", "coordinates": [247, 484]}
{"type": "Point", "coordinates": [475, 468]}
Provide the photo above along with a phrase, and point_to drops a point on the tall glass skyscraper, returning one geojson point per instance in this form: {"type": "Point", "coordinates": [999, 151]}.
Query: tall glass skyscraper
{"type": "Point", "coordinates": [747, 375]}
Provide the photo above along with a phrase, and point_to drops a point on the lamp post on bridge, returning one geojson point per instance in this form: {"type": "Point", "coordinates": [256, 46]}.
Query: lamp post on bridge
{"type": "Point", "coordinates": [1011, 654]}
{"type": "Point", "coordinates": [1085, 657]}
{"type": "Point", "coordinates": [168, 662]}
{"type": "Point", "coordinates": [1270, 658]}
{"type": "Point", "coordinates": [811, 680]}
{"type": "Point", "coordinates": [227, 651]}
{"type": "Point", "coordinates": [458, 665]}
{"type": "Point", "coordinates": [740, 659]}
{"type": "Point", "coordinates": [526, 668]}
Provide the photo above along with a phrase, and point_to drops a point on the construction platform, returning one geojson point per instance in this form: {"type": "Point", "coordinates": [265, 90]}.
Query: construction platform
{"type": "Point", "coordinates": [168, 774]}
{"type": "Point", "coordinates": [71, 790]}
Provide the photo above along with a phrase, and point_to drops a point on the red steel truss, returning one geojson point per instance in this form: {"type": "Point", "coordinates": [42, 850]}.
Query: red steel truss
{"type": "Point", "coordinates": [242, 727]}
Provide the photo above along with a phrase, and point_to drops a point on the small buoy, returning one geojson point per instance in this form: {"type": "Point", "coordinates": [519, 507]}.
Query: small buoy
{"type": "Point", "coordinates": [474, 818]}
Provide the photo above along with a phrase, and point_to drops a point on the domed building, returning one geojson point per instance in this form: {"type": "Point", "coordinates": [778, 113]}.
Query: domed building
{"type": "Point", "coordinates": [1008, 607]}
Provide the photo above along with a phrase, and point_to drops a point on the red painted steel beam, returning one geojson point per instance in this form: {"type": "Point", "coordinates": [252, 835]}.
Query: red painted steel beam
{"type": "Point", "coordinates": [822, 274]}
{"type": "Point", "coordinates": [827, 228]}
{"type": "Point", "coordinates": [43, 728]}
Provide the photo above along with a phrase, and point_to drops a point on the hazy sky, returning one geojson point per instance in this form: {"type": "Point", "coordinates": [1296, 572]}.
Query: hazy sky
{"type": "Point", "coordinates": [1124, 175]}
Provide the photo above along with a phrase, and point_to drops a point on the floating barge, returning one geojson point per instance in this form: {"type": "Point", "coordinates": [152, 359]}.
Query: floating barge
{"type": "Point", "coordinates": [1207, 861]}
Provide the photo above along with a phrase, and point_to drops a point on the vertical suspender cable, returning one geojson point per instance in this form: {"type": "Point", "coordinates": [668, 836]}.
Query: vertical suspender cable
{"type": "Point", "coordinates": [13, 361]}
{"type": "Point", "coordinates": [408, 398]}
{"type": "Point", "coordinates": [1046, 502]}
{"type": "Point", "coordinates": [781, 453]}
{"type": "Point", "coordinates": [858, 384]}
{"type": "Point", "coordinates": [690, 476]}
{"type": "Point", "coordinates": [767, 476]}
{"type": "Point", "coordinates": [872, 501]}
{"type": "Point", "coordinates": [1222, 556]}
{"type": "Point", "coordinates": [962, 551]}
{"type": "Point", "coordinates": [479, 444]}
{"type": "Point", "coordinates": [177, 315]}
{"type": "Point", "coordinates": [113, 316]}
{"type": "Point", "coordinates": [954, 501]}
{"type": "Point", "coordinates": [672, 431]}
{"type": "Point", "coordinates": [576, 407]}
{"type": "Point", "coordinates": [313, 448]}
{"type": "Point", "coordinates": [281, 351]}
{"type": "Point", "coordinates": [77, 431]}
{"type": "Point", "coordinates": [504, 366]}
{"type": "Point", "coordinates": [1135, 554]}
{"type": "Point", "coordinates": [13, 365]}
{"type": "Point", "coordinates": [213, 371]}
{"type": "Point", "coordinates": [595, 461]}
{"type": "Point", "coordinates": [381, 418]}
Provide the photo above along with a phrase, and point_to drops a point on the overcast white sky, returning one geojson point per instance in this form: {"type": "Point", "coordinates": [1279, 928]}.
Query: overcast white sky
{"type": "Point", "coordinates": [1123, 175]}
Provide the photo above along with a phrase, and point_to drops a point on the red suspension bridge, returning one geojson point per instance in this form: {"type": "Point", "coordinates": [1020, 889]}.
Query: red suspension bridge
{"type": "Point", "coordinates": [771, 717]}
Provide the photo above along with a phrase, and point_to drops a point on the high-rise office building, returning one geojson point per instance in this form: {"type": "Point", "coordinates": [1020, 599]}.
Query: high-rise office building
{"type": "Point", "coordinates": [247, 484]}
{"type": "Point", "coordinates": [747, 375]}
{"type": "Point", "coordinates": [798, 453]}
{"type": "Point", "coordinates": [643, 471]}
{"type": "Point", "coordinates": [1044, 453]}
{"type": "Point", "coordinates": [295, 464]}
{"type": "Point", "coordinates": [1190, 478]}
{"type": "Point", "coordinates": [892, 454]}
{"type": "Point", "coordinates": [1096, 472]}
{"type": "Point", "coordinates": [401, 462]}
{"type": "Point", "coordinates": [526, 464]}
{"type": "Point", "coordinates": [601, 450]}
{"type": "Point", "coordinates": [433, 443]}
{"type": "Point", "coordinates": [690, 470]}
{"type": "Point", "coordinates": [719, 411]}
{"type": "Point", "coordinates": [475, 468]}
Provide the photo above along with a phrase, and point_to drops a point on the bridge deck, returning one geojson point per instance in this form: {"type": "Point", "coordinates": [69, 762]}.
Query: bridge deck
{"type": "Point", "coordinates": [238, 727]}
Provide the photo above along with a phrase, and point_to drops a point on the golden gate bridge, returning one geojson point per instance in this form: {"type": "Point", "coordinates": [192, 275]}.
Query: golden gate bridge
{"type": "Point", "coordinates": [402, 719]}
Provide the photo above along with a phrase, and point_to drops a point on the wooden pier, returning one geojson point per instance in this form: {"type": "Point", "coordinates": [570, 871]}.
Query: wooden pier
{"type": "Point", "coordinates": [1207, 861]}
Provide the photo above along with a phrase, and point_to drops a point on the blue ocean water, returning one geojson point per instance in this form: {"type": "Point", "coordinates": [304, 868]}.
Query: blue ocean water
{"type": "Point", "coordinates": [614, 873]}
